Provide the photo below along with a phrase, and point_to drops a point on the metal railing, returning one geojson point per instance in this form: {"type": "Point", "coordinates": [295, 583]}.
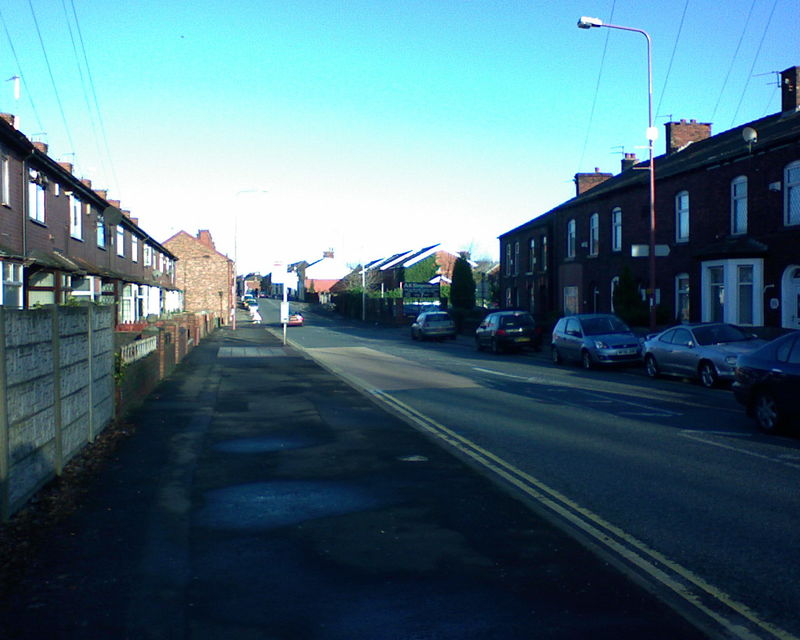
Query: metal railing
{"type": "Point", "coordinates": [138, 349]}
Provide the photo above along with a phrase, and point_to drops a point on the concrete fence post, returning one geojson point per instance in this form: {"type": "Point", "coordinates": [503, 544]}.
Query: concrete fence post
{"type": "Point", "coordinates": [57, 418]}
{"type": "Point", "coordinates": [90, 317]}
{"type": "Point", "coordinates": [5, 462]}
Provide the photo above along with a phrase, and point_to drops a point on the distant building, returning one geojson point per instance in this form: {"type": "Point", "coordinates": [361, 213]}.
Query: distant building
{"type": "Point", "coordinates": [323, 274]}
{"type": "Point", "coordinates": [205, 275]}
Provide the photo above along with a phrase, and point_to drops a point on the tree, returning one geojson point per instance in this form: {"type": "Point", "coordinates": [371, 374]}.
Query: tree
{"type": "Point", "coordinates": [628, 303]}
{"type": "Point", "coordinates": [462, 288]}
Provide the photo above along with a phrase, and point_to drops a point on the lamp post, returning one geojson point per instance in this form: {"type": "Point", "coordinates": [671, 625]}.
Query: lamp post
{"type": "Point", "coordinates": [652, 134]}
{"type": "Point", "coordinates": [234, 286]}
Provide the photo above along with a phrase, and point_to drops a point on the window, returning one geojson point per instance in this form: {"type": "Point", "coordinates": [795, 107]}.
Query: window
{"type": "Point", "coordinates": [739, 205]}
{"type": "Point", "coordinates": [594, 234]}
{"type": "Point", "coordinates": [36, 191]}
{"type": "Point", "coordinates": [120, 241]}
{"type": "Point", "coordinates": [508, 259]}
{"type": "Point", "coordinates": [544, 253]}
{"type": "Point", "coordinates": [75, 221]}
{"type": "Point", "coordinates": [516, 258]}
{"type": "Point", "coordinates": [730, 291]}
{"type": "Point", "coordinates": [11, 285]}
{"type": "Point", "coordinates": [570, 300]}
{"type": "Point", "coordinates": [616, 229]}
{"type": "Point", "coordinates": [84, 287]}
{"type": "Point", "coordinates": [682, 297]}
{"type": "Point", "coordinates": [682, 216]}
{"type": "Point", "coordinates": [42, 288]}
{"type": "Point", "coordinates": [4, 179]}
{"type": "Point", "coordinates": [791, 189]}
{"type": "Point", "coordinates": [532, 255]}
{"type": "Point", "coordinates": [134, 248]}
{"type": "Point", "coordinates": [101, 231]}
{"type": "Point", "coordinates": [571, 239]}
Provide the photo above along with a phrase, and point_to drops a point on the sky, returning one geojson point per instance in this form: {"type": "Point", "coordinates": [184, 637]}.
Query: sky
{"type": "Point", "coordinates": [369, 127]}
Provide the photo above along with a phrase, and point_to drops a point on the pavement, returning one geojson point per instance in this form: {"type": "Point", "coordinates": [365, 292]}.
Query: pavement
{"type": "Point", "coordinates": [262, 497]}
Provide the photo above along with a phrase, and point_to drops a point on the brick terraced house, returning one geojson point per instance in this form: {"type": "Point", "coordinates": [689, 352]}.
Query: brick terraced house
{"type": "Point", "coordinates": [61, 240]}
{"type": "Point", "coordinates": [727, 208]}
{"type": "Point", "coordinates": [203, 273]}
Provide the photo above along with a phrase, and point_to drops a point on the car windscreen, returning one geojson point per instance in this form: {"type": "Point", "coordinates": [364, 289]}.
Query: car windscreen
{"type": "Point", "coordinates": [522, 320]}
{"type": "Point", "coordinates": [603, 326]}
{"type": "Point", "coordinates": [719, 333]}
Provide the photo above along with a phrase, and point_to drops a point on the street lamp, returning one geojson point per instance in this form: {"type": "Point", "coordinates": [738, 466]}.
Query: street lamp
{"type": "Point", "coordinates": [652, 134]}
{"type": "Point", "coordinates": [236, 248]}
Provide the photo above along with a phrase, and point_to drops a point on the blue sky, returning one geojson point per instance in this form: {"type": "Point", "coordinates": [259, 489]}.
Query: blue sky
{"type": "Point", "coordinates": [374, 126]}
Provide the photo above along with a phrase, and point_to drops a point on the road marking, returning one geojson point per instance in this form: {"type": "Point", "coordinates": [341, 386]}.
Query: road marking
{"type": "Point", "coordinates": [649, 411]}
{"type": "Point", "coordinates": [695, 435]}
{"type": "Point", "coordinates": [736, 618]}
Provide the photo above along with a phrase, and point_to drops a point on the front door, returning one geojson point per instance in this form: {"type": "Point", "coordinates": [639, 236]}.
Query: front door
{"type": "Point", "coordinates": [791, 298]}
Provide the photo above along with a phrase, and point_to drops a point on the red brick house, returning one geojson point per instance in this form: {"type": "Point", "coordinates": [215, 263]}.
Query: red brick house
{"type": "Point", "coordinates": [205, 275]}
{"type": "Point", "coordinates": [727, 209]}
{"type": "Point", "coordinates": [61, 240]}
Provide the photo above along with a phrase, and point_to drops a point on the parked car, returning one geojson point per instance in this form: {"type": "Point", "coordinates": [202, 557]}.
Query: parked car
{"type": "Point", "coordinates": [767, 383]}
{"type": "Point", "coordinates": [295, 320]}
{"type": "Point", "coordinates": [594, 338]}
{"type": "Point", "coordinates": [504, 330]}
{"type": "Point", "coordinates": [433, 324]}
{"type": "Point", "coordinates": [706, 352]}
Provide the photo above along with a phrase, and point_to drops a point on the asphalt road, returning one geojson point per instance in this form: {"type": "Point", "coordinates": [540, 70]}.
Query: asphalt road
{"type": "Point", "coordinates": [668, 480]}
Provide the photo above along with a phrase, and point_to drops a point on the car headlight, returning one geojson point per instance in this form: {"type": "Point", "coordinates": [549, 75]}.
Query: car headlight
{"type": "Point", "coordinates": [599, 344]}
{"type": "Point", "coordinates": [730, 360]}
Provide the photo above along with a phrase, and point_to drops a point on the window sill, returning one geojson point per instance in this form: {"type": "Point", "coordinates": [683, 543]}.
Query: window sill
{"type": "Point", "coordinates": [39, 223]}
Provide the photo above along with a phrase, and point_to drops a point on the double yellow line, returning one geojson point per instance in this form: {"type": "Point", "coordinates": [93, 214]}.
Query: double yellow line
{"type": "Point", "coordinates": [735, 618]}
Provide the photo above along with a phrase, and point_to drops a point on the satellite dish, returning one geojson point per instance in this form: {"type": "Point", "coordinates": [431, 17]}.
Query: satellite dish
{"type": "Point", "coordinates": [112, 215]}
{"type": "Point", "coordinates": [750, 135]}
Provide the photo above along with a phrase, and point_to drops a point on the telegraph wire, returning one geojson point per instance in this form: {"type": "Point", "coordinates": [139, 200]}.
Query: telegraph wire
{"type": "Point", "coordinates": [90, 113]}
{"type": "Point", "coordinates": [733, 59]}
{"type": "Point", "coordinates": [672, 57]}
{"type": "Point", "coordinates": [753, 66]}
{"type": "Point", "coordinates": [52, 77]}
{"type": "Point", "coordinates": [596, 90]}
{"type": "Point", "coordinates": [96, 102]}
{"type": "Point", "coordinates": [28, 92]}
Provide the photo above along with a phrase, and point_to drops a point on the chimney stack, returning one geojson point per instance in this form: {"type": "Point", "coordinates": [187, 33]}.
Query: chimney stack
{"type": "Point", "coordinates": [67, 166]}
{"type": "Point", "coordinates": [628, 161]}
{"type": "Point", "coordinates": [10, 118]}
{"type": "Point", "coordinates": [681, 134]}
{"type": "Point", "coordinates": [790, 98]}
{"type": "Point", "coordinates": [41, 146]}
{"type": "Point", "coordinates": [328, 253]}
{"type": "Point", "coordinates": [586, 181]}
{"type": "Point", "coordinates": [86, 182]}
{"type": "Point", "coordinates": [204, 236]}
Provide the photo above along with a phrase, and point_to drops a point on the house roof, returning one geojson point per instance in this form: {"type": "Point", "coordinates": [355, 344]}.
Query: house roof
{"type": "Point", "coordinates": [774, 130]}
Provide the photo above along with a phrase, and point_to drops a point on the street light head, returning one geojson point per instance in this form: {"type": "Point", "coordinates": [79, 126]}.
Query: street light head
{"type": "Point", "coordinates": [587, 23]}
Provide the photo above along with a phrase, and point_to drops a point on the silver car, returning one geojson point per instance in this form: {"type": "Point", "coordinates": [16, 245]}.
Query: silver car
{"type": "Point", "coordinates": [433, 324]}
{"type": "Point", "coordinates": [706, 351]}
{"type": "Point", "coordinates": [595, 338]}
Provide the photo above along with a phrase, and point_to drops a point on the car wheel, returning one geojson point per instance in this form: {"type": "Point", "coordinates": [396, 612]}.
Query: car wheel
{"type": "Point", "coordinates": [586, 360]}
{"type": "Point", "coordinates": [651, 366]}
{"type": "Point", "coordinates": [765, 411]}
{"type": "Point", "coordinates": [708, 375]}
{"type": "Point", "coordinates": [556, 356]}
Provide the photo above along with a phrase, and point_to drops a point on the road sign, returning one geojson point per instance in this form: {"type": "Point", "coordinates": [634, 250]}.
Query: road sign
{"type": "Point", "coordinates": [643, 250]}
{"type": "Point", "coordinates": [420, 290]}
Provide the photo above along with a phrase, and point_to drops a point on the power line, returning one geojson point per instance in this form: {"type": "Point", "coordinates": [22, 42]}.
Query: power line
{"type": "Point", "coordinates": [733, 59]}
{"type": "Point", "coordinates": [596, 91]}
{"type": "Point", "coordinates": [755, 58]}
{"type": "Point", "coordinates": [28, 92]}
{"type": "Point", "coordinates": [52, 77]}
{"type": "Point", "coordinates": [672, 57]}
{"type": "Point", "coordinates": [96, 102]}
